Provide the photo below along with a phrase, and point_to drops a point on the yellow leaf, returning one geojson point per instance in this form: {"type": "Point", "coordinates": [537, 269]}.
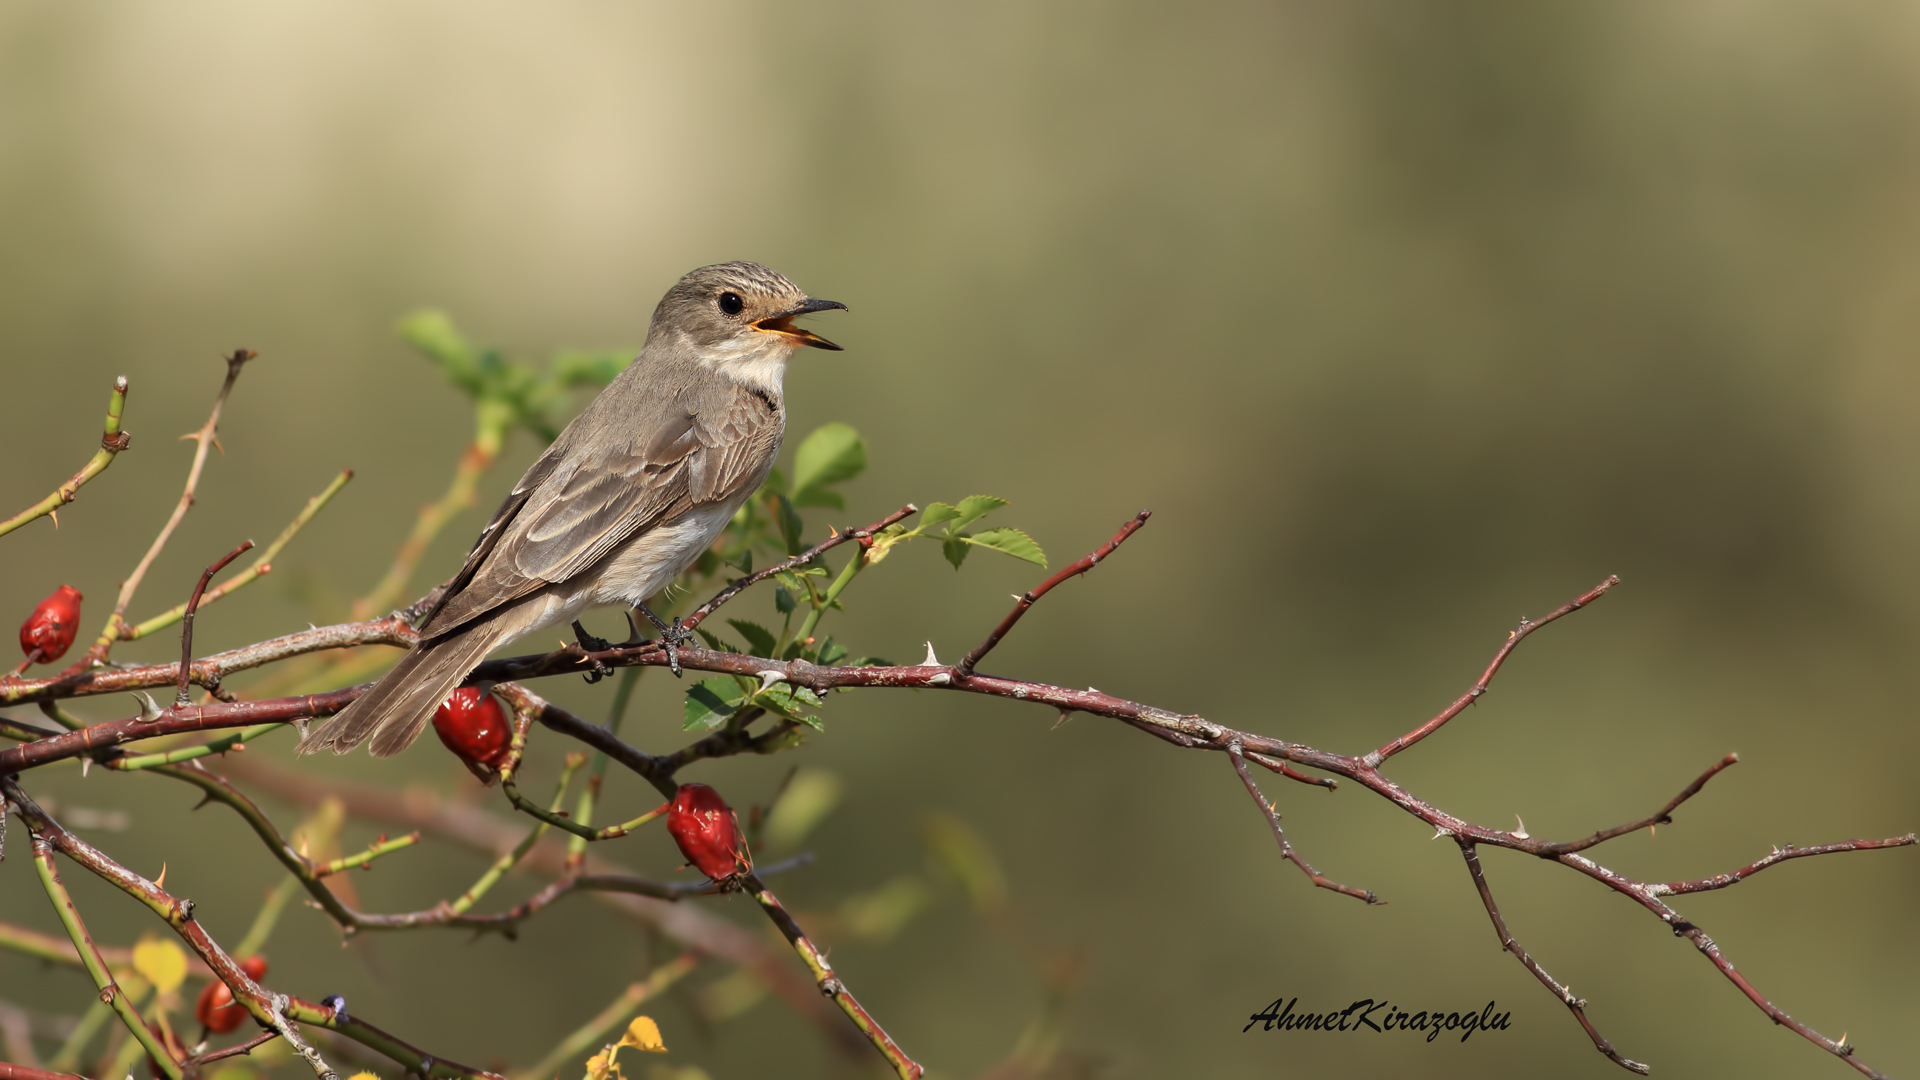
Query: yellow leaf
{"type": "Point", "coordinates": [363, 1076]}
{"type": "Point", "coordinates": [643, 1034]}
{"type": "Point", "coordinates": [601, 1064]}
{"type": "Point", "coordinates": [162, 962]}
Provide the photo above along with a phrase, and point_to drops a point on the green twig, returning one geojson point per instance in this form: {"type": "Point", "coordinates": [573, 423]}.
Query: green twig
{"type": "Point", "coordinates": [189, 753]}
{"type": "Point", "coordinates": [263, 923]}
{"type": "Point", "coordinates": [374, 850]}
{"type": "Point", "coordinates": [67, 1058]}
{"type": "Point", "coordinates": [507, 862]}
{"type": "Point", "coordinates": [261, 565]}
{"type": "Point", "coordinates": [596, 774]}
{"type": "Point", "coordinates": [553, 817]}
{"type": "Point", "coordinates": [112, 441]}
{"type": "Point", "coordinates": [847, 574]}
{"type": "Point", "coordinates": [110, 991]}
{"type": "Point", "coordinates": [594, 1031]}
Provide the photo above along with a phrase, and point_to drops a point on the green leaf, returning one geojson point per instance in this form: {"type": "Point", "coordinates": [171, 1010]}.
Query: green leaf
{"type": "Point", "coordinates": [783, 601]}
{"type": "Point", "coordinates": [790, 526]}
{"type": "Point", "coordinates": [820, 497]}
{"type": "Point", "coordinates": [935, 513]}
{"type": "Point", "coordinates": [832, 652]}
{"type": "Point", "coordinates": [710, 702]}
{"type": "Point", "coordinates": [961, 851]}
{"type": "Point", "coordinates": [1013, 542]}
{"type": "Point", "coordinates": [973, 508]}
{"type": "Point", "coordinates": [713, 641]}
{"type": "Point", "coordinates": [831, 454]}
{"type": "Point", "coordinates": [871, 661]}
{"type": "Point", "coordinates": [781, 698]}
{"type": "Point", "coordinates": [589, 367]}
{"type": "Point", "coordinates": [808, 798]}
{"type": "Point", "coordinates": [757, 637]}
{"type": "Point", "coordinates": [432, 333]}
{"type": "Point", "coordinates": [955, 549]}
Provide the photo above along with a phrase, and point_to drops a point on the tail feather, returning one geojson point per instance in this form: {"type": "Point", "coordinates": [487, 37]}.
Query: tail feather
{"type": "Point", "coordinates": [394, 710]}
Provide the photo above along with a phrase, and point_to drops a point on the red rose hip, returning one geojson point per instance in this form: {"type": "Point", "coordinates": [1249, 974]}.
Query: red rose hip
{"type": "Point", "coordinates": [48, 632]}
{"type": "Point", "coordinates": [216, 1009]}
{"type": "Point", "coordinates": [708, 832]}
{"type": "Point", "coordinates": [474, 726]}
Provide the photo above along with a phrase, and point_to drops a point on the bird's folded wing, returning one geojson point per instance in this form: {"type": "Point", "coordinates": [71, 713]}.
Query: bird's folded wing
{"type": "Point", "coordinates": [568, 514]}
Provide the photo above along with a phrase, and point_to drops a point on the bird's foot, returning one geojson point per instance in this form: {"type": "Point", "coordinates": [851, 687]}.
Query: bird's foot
{"type": "Point", "coordinates": [589, 644]}
{"type": "Point", "coordinates": [672, 636]}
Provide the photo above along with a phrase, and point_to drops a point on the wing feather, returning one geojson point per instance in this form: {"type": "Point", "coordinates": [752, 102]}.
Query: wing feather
{"type": "Point", "coordinates": [570, 512]}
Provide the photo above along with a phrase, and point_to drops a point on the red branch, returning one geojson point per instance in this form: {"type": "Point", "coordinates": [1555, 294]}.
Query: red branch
{"type": "Point", "coordinates": [193, 607]}
{"type": "Point", "coordinates": [1184, 730]}
{"type": "Point", "coordinates": [967, 662]}
{"type": "Point", "coordinates": [1473, 693]}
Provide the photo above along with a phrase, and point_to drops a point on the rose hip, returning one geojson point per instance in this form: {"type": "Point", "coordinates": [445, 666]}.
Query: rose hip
{"type": "Point", "coordinates": [474, 726]}
{"type": "Point", "coordinates": [48, 632]}
{"type": "Point", "coordinates": [708, 832]}
{"type": "Point", "coordinates": [216, 1008]}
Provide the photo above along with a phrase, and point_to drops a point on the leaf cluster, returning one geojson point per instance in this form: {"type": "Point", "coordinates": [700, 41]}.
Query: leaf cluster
{"type": "Point", "coordinates": [511, 393]}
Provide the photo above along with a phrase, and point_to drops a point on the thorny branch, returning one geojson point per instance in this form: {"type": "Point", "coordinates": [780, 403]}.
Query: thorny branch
{"type": "Point", "coordinates": [273, 1010]}
{"type": "Point", "coordinates": [206, 438]}
{"type": "Point", "coordinates": [102, 743]}
{"type": "Point", "coordinates": [112, 441]}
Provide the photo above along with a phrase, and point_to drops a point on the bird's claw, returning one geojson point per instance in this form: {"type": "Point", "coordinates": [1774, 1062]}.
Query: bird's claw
{"type": "Point", "coordinates": [671, 638]}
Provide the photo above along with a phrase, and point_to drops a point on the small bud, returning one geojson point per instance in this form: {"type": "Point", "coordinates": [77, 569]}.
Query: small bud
{"type": "Point", "coordinates": [708, 832]}
{"type": "Point", "coordinates": [474, 727]}
{"type": "Point", "coordinates": [48, 632]}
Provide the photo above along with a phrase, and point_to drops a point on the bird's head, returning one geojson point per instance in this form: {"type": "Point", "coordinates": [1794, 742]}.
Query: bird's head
{"type": "Point", "coordinates": [739, 309]}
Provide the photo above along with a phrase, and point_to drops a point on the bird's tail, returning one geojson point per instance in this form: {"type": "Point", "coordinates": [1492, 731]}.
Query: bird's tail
{"type": "Point", "coordinates": [394, 710]}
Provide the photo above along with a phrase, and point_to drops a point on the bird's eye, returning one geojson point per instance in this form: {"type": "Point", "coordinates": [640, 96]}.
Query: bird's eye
{"type": "Point", "coordinates": [731, 303]}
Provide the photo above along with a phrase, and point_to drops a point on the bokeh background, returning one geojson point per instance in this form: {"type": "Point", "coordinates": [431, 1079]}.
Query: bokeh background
{"type": "Point", "coordinates": [1405, 320]}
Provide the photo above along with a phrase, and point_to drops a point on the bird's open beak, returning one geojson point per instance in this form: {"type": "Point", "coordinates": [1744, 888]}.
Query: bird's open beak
{"type": "Point", "coordinates": [783, 323]}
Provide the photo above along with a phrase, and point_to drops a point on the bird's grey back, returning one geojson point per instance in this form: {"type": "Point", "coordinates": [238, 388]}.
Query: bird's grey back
{"type": "Point", "coordinates": [633, 458]}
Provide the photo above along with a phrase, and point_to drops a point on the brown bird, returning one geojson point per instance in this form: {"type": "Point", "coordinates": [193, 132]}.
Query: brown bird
{"type": "Point", "coordinates": [624, 500]}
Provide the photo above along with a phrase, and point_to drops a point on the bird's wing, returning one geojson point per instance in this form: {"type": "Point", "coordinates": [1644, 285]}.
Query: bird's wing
{"type": "Point", "coordinates": [569, 512]}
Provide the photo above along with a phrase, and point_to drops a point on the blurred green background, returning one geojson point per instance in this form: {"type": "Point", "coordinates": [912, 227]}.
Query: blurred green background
{"type": "Point", "coordinates": [1404, 319]}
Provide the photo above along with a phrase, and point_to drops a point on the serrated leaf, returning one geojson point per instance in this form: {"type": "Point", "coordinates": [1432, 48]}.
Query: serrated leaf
{"type": "Point", "coordinates": [955, 549]}
{"type": "Point", "coordinates": [935, 513]}
{"type": "Point", "coordinates": [973, 508]}
{"type": "Point", "coordinates": [831, 454]}
{"type": "Point", "coordinates": [781, 698]}
{"type": "Point", "coordinates": [714, 641]}
{"type": "Point", "coordinates": [709, 703]}
{"type": "Point", "coordinates": [1013, 542]}
{"type": "Point", "coordinates": [758, 638]}
{"type": "Point", "coordinates": [783, 601]}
